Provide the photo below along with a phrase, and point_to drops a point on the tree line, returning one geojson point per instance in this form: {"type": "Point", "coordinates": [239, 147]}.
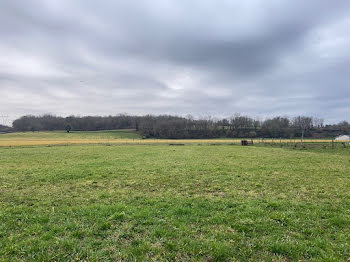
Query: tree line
{"type": "Point", "coordinates": [4, 129]}
{"type": "Point", "coordinates": [176, 127]}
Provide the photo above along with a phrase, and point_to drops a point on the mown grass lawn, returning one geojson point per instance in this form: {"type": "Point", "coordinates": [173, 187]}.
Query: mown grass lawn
{"type": "Point", "coordinates": [189, 203]}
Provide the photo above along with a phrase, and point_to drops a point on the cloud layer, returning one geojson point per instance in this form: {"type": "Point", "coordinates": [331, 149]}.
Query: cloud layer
{"type": "Point", "coordinates": [177, 57]}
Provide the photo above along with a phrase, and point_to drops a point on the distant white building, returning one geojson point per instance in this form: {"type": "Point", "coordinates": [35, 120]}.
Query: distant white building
{"type": "Point", "coordinates": [342, 138]}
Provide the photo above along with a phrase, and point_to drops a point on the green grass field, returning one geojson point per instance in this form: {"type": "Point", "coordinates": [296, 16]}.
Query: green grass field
{"type": "Point", "coordinates": [180, 203]}
{"type": "Point", "coordinates": [63, 135]}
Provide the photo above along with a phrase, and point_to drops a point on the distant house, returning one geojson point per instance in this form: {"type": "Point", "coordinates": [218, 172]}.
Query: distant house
{"type": "Point", "coordinates": [342, 138]}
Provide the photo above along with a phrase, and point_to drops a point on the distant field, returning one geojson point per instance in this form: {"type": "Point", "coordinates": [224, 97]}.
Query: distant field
{"type": "Point", "coordinates": [123, 136]}
{"type": "Point", "coordinates": [42, 135]}
{"type": "Point", "coordinates": [198, 203]}
{"type": "Point", "coordinates": [61, 137]}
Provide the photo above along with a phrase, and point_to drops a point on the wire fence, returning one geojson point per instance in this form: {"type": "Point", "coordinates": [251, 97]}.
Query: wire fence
{"type": "Point", "coordinates": [9, 141]}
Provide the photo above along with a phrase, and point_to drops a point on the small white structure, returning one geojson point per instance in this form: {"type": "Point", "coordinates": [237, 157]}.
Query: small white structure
{"type": "Point", "coordinates": [342, 138]}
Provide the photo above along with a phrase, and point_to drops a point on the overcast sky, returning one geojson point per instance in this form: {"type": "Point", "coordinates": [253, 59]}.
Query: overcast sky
{"type": "Point", "coordinates": [260, 58]}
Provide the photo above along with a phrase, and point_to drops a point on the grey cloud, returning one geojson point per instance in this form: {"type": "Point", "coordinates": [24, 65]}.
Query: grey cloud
{"type": "Point", "coordinates": [177, 57]}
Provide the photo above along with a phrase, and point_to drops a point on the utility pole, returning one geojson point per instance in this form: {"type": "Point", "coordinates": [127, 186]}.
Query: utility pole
{"type": "Point", "coordinates": [302, 137]}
